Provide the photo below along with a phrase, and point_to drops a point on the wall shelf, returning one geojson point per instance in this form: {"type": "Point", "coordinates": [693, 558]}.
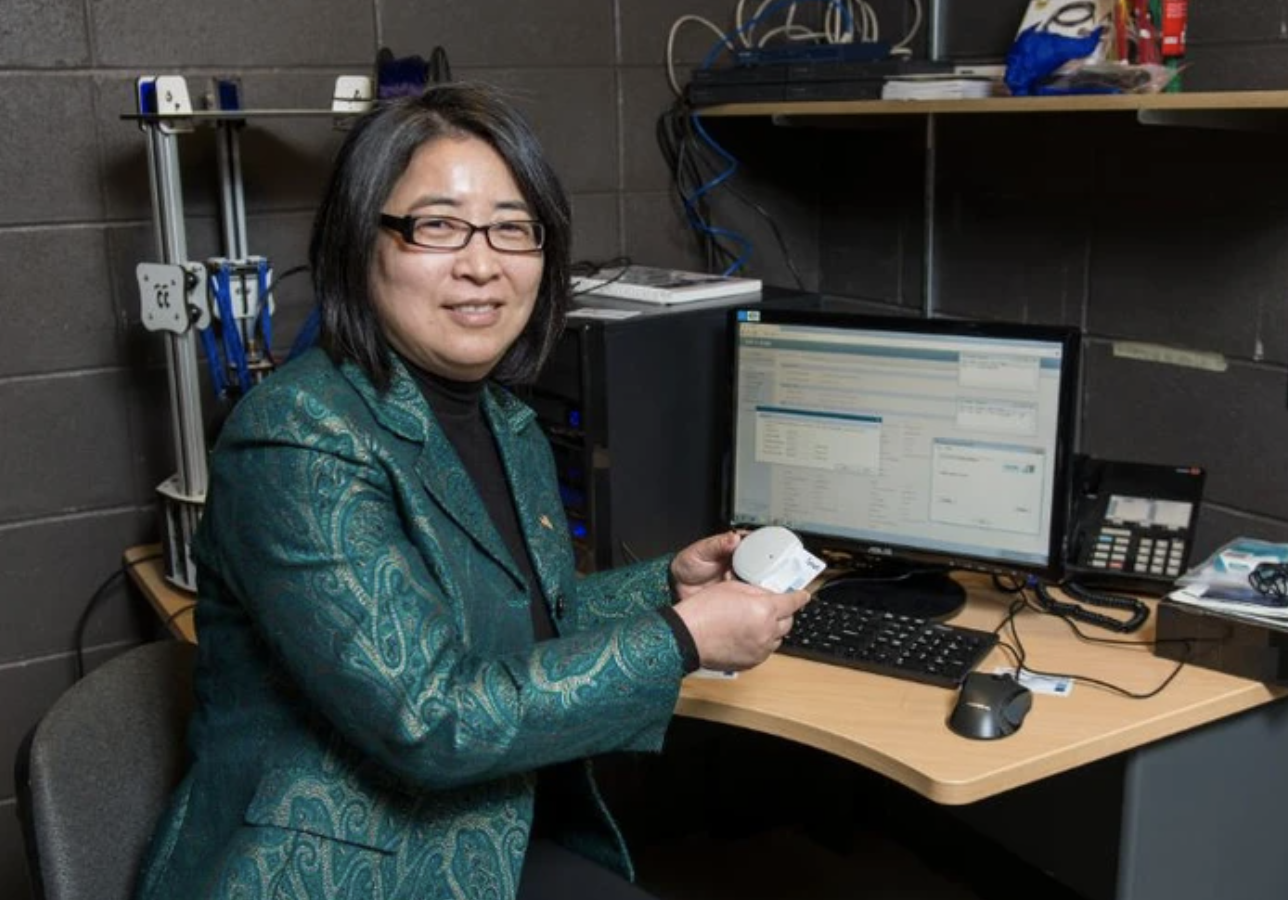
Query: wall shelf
{"type": "Point", "coordinates": [1228, 110]}
{"type": "Point", "coordinates": [1215, 109]}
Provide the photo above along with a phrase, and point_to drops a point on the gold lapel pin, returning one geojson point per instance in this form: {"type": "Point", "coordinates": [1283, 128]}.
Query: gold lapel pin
{"type": "Point", "coordinates": [545, 522]}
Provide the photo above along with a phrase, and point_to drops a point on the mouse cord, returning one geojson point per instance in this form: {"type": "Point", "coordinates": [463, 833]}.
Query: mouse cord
{"type": "Point", "coordinates": [1020, 654]}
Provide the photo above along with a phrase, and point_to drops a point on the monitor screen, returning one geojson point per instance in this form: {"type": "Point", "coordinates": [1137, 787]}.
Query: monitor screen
{"type": "Point", "coordinates": [922, 441]}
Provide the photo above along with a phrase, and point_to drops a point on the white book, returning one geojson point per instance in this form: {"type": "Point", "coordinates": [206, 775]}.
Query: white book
{"type": "Point", "coordinates": [649, 284]}
{"type": "Point", "coordinates": [912, 88]}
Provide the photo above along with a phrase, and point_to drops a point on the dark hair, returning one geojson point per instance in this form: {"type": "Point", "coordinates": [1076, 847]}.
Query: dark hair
{"type": "Point", "coordinates": [375, 154]}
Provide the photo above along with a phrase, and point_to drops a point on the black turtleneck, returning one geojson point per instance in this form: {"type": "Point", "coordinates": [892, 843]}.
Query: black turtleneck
{"type": "Point", "coordinates": [458, 407]}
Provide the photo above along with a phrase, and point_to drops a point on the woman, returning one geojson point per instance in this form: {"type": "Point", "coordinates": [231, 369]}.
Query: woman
{"type": "Point", "coordinates": [397, 661]}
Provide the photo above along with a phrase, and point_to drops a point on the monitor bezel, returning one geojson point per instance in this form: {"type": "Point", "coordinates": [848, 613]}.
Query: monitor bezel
{"type": "Point", "coordinates": [1070, 341]}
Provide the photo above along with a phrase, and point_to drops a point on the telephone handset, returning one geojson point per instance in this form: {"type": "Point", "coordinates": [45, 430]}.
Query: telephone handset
{"type": "Point", "coordinates": [1132, 524]}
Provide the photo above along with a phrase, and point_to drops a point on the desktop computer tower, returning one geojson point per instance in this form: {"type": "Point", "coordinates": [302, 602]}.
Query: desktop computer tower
{"type": "Point", "coordinates": [636, 410]}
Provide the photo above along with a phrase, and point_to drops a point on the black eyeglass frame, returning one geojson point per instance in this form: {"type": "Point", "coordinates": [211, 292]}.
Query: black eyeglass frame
{"type": "Point", "coordinates": [405, 226]}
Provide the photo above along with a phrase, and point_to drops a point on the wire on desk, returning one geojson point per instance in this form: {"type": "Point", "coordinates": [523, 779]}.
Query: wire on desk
{"type": "Point", "coordinates": [590, 268]}
{"type": "Point", "coordinates": [1020, 655]}
{"type": "Point", "coordinates": [187, 608]}
{"type": "Point", "coordinates": [94, 600]}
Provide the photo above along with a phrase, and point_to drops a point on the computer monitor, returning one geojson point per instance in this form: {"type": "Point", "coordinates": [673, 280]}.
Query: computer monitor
{"type": "Point", "coordinates": [908, 447]}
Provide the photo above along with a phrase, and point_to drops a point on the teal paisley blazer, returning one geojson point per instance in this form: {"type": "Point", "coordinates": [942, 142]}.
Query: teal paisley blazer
{"type": "Point", "coordinates": [371, 706]}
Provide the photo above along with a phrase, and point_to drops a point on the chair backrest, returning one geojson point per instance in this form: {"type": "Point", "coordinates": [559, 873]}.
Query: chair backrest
{"type": "Point", "coordinates": [98, 769]}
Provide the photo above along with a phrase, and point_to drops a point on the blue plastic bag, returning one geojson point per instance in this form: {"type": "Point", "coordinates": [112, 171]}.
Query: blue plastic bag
{"type": "Point", "coordinates": [1036, 55]}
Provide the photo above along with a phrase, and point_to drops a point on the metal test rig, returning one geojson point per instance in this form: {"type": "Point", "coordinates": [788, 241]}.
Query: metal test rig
{"type": "Point", "coordinates": [224, 302]}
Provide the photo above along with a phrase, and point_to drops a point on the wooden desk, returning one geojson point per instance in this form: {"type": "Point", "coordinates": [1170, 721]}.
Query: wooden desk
{"type": "Point", "coordinates": [1198, 808]}
{"type": "Point", "coordinates": [897, 727]}
{"type": "Point", "coordinates": [1187, 803]}
{"type": "Point", "coordinates": [173, 605]}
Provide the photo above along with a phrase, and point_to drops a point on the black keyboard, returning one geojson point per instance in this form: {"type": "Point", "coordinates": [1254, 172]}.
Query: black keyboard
{"type": "Point", "coordinates": [886, 643]}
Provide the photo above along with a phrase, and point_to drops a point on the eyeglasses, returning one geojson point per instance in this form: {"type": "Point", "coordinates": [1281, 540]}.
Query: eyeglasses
{"type": "Point", "coordinates": [449, 233]}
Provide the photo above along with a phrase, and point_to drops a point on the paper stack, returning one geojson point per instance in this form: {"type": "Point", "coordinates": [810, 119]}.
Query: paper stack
{"type": "Point", "coordinates": [953, 87]}
{"type": "Point", "coordinates": [1222, 584]}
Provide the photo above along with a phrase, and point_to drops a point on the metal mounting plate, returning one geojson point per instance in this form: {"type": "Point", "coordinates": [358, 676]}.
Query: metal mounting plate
{"type": "Point", "coordinates": [167, 303]}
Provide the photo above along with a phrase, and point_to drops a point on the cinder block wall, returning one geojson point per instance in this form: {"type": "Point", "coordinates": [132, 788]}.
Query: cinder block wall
{"type": "Point", "coordinates": [1051, 219]}
{"type": "Point", "coordinates": [86, 434]}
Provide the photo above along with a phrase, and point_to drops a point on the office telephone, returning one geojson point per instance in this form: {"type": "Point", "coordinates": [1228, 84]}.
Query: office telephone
{"type": "Point", "coordinates": [1131, 524]}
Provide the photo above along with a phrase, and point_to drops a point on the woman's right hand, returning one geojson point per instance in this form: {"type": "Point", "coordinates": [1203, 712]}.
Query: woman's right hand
{"type": "Point", "coordinates": [735, 625]}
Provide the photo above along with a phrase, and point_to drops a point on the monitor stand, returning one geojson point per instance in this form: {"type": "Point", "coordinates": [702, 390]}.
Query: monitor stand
{"type": "Point", "coordinates": [928, 593]}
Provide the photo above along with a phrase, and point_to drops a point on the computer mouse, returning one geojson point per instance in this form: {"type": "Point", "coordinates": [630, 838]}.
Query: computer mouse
{"type": "Point", "coordinates": [989, 706]}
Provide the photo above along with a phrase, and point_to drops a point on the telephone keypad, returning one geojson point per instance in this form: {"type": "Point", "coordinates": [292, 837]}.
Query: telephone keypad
{"type": "Point", "coordinates": [1156, 556]}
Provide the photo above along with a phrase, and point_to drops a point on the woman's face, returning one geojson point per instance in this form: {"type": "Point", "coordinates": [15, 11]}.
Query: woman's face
{"type": "Point", "coordinates": [455, 312]}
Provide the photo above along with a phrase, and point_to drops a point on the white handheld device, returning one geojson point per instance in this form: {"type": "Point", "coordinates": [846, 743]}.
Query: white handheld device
{"type": "Point", "coordinates": [774, 558]}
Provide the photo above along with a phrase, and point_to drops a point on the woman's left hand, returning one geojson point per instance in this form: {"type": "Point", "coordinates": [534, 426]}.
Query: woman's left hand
{"type": "Point", "coordinates": [704, 563]}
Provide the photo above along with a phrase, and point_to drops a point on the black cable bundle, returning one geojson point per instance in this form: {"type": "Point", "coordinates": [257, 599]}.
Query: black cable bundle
{"type": "Point", "coordinates": [694, 167]}
{"type": "Point", "coordinates": [1270, 580]}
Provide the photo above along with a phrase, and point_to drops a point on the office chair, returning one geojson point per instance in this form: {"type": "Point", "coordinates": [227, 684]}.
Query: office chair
{"type": "Point", "coordinates": [96, 772]}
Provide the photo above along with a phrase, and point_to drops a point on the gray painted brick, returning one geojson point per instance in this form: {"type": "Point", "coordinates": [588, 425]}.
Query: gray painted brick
{"type": "Point", "coordinates": [13, 857]}
{"type": "Point", "coordinates": [872, 219]}
{"type": "Point", "coordinates": [1251, 67]}
{"type": "Point", "coordinates": [869, 253]}
{"type": "Point", "coordinates": [1218, 525]}
{"type": "Point", "coordinates": [1207, 284]}
{"type": "Point", "coordinates": [1147, 172]}
{"type": "Point", "coordinates": [149, 33]}
{"type": "Point", "coordinates": [656, 233]}
{"type": "Point", "coordinates": [1272, 337]}
{"type": "Point", "coordinates": [1000, 259]}
{"type": "Point", "coordinates": [1048, 160]}
{"type": "Point", "coordinates": [494, 32]}
{"type": "Point", "coordinates": [58, 306]}
{"type": "Point", "coordinates": [574, 114]}
{"type": "Point", "coordinates": [871, 211]}
{"type": "Point", "coordinates": [73, 452]}
{"type": "Point", "coordinates": [645, 95]}
{"type": "Point", "coordinates": [1232, 423]}
{"type": "Point", "coordinates": [56, 566]}
{"type": "Point", "coordinates": [47, 161]}
{"type": "Point", "coordinates": [646, 23]}
{"type": "Point", "coordinates": [44, 34]}
{"type": "Point", "coordinates": [596, 232]}
{"type": "Point", "coordinates": [1216, 21]}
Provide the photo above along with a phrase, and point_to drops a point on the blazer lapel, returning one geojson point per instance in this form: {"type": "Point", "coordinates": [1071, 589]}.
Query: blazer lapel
{"type": "Point", "coordinates": [542, 523]}
{"type": "Point", "coordinates": [403, 410]}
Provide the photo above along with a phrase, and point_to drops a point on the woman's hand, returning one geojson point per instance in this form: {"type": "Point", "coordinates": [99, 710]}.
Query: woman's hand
{"type": "Point", "coordinates": [735, 625]}
{"type": "Point", "coordinates": [704, 563]}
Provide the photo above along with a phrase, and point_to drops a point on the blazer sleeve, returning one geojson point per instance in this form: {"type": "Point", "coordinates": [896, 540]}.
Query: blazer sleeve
{"type": "Point", "coordinates": [303, 526]}
{"type": "Point", "coordinates": [624, 592]}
